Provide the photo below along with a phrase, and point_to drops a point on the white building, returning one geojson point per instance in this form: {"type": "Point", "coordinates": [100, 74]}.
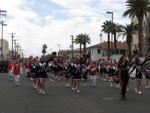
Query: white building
{"type": "Point", "coordinates": [100, 50]}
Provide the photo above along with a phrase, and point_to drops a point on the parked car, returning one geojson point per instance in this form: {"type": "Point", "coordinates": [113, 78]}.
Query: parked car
{"type": "Point", "coordinates": [3, 66]}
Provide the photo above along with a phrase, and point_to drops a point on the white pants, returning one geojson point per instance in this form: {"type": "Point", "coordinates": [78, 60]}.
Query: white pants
{"type": "Point", "coordinates": [17, 78]}
{"type": "Point", "coordinates": [93, 79]}
{"type": "Point", "coordinates": [10, 75]}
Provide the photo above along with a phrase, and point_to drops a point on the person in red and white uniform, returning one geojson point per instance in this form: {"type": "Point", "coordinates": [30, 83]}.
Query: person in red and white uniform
{"type": "Point", "coordinates": [10, 65]}
{"type": "Point", "coordinates": [17, 71]}
{"type": "Point", "coordinates": [27, 67]}
{"type": "Point", "coordinates": [93, 72]}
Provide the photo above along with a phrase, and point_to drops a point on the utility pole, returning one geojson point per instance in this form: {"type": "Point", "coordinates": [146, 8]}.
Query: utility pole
{"type": "Point", "coordinates": [72, 38]}
{"type": "Point", "coordinates": [2, 13]}
{"type": "Point", "coordinates": [12, 36]}
{"type": "Point", "coordinates": [17, 51]}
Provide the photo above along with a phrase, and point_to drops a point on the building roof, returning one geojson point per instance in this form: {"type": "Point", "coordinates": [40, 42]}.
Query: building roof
{"type": "Point", "coordinates": [104, 45]}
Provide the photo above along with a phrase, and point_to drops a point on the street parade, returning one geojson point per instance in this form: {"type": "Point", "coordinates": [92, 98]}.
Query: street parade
{"type": "Point", "coordinates": [82, 72]}
{"type": "Point", "coordinates": [74, 56]}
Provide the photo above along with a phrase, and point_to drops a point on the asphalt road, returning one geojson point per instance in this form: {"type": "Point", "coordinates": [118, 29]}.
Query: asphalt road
{"type": "Point", "coordinates": [59, 99]}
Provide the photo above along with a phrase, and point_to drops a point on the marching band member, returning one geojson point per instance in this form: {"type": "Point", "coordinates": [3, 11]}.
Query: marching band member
{"type": "Point", "coordinates": [84, 74]}
{"type": "Point", "coordinates": [77, 77]}
{"type": "Point", "coordinates": [17, 71]}
{"type": "Point", "coordinates": [27, 68]}
{"type": "Point", "coordinates": [42, 75]}
{"type": "Point", "coordinates": [123, 75]}
{"type": "Point", "coordinates": [147, 76]}
{"type": "Point", "coordinates": [93, 72]}
{"type": "Point", "coordinates": [34, 72]}
{"type": "Point", "coordinates": [10, 65]}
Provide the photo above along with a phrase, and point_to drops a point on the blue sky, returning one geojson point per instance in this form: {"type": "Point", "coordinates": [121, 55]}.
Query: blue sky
{"type": "Point", "coordinates": [36, 22]}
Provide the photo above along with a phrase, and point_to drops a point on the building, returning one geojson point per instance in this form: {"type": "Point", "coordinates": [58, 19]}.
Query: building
{"type": "Point", "coordinates": [100, 50]}
{"type": "Point", "coordinates": [5, 52]}
{"type": "Point", "coordinates": [146, 34]}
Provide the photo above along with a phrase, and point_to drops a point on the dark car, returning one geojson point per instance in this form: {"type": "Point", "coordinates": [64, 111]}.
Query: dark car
{"type": "Point", "coordinates": [3, 66]}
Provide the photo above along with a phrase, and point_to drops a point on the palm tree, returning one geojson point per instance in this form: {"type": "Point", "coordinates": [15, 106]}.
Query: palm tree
{"type": "Point", "coordinates": [85, 39]}
{"type": "Point", "coordinates": [116, 28]}
{"type": "Point", "coordinates": [106, 28]}
{"type": "Point", "coordinates": [82, 39]}
{"type": "Point", "coordinates": [78, 40]}
{"type": "Point", "coordinates": [138, 9]}
{"type": "Point", "coordinates": [128, 31]}
{"type": "Point", "coordinates": [149, 36]}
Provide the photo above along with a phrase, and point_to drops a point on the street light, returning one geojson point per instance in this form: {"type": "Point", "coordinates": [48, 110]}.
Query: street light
{"type": "Point", "coordinates": [112, 19]}
{"type": "Point", "coordinates": [15, 48]}
{"type": "Point", "coordinates": [112, 15]}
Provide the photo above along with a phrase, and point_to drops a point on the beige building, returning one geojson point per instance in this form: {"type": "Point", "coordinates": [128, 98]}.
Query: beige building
{"type": "Point", "coordinates": [5, 49]}
{"type": "Point", "coordinates": [146, 34]}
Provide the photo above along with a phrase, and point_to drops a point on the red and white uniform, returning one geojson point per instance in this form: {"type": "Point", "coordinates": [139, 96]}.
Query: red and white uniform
{"type": "Point", "coordinates": [17, 69]}
{"type": "Point", "coordinates": [93, 72]}
{"type": "Point", "coordinates": [93, 69]}
{"type": "Point", "coordinates": [27, 66]}
{"type": "Point", "coordinates": [10, 65]}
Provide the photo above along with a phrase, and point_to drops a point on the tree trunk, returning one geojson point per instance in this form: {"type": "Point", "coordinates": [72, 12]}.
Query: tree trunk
{"type": "Point", "coordinates": [80, 49]}
{"type": "Point", "coordinates": [108, 45]}
{"type": "Point", "coordinates": [149, 36]}
{"type": "Point", "coordinates": [140, 36]}
{"type": "Point", "coordinates": [84, 48]}
{"type": "Point", "coordinates": [115, 43]}
{"type": "Point", "coordinates": [129, 46]}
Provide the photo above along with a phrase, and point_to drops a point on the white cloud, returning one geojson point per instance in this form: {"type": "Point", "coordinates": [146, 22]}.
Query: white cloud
{"type": "Point", "coordinates": [15, 8]}
{"type": "Point", "coordinates": [72, 3]}
{"type": "Point", "coordinates": [48, 18]}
